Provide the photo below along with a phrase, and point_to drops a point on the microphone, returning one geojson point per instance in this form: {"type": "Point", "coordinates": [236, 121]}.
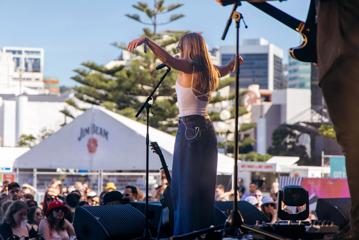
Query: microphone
{"type": "Point", "coordinates": [160, 66]}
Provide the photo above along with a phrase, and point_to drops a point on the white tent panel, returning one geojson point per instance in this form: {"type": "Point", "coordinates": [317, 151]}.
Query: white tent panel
{"type": "Point", "coordinates": [102, 140]}
{"type": "Point", "coordinates": [8, 156]}
{"type": "Point", "coordinates": [97, 140]}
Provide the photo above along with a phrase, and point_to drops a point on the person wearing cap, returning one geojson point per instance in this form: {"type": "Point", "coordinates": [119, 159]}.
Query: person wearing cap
{"type": "Point", "coordinates": [55, 226]}
{"type": "Point", "coordinates": [28, 189]}
{"type": "Point", "coordinates": [110, 186]}
{"type": "Point", "coordinates": [92, 198]}
{"type": "Point", "coordinates": [268, 207]}
{"type": "Point", "coordinates": [252, 200]}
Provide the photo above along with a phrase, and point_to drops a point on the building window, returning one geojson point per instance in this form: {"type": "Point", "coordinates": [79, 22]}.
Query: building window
{"type": "Point", "coordinates": [254, 70]}
{"type": "Point", "coordinates": [17, 63]}
{"type": "Point", "coordinates": [279, 82]}
{"type": "Point", "coordinates": [32, 65]}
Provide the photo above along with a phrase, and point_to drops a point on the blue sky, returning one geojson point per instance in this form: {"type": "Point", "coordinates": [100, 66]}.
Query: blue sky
{"type": "Point", "coordinates": [74, 31]}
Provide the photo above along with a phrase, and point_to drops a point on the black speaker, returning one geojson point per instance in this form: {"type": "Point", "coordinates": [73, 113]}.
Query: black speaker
{"type": "Point", "coordinates": [336, 210]}
{"type": "Point", "coordinates": [155, 211]}
{"type": "Point", "coordinates": [249, 212]}
{"type": "Point", "coordinates": [154, 214]}
{"type": "Point", "coordinates": [108, 222]}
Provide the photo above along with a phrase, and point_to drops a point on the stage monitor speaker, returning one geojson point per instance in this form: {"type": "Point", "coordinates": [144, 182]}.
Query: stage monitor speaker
{"type": "Point", "coordinates": [336, 210]}
{"type": "Point", "coordinates": [155, 211]}
{"type": "Point", "coordinates": [108, 222]}
{"type": "Point", "coordinates": [249, 212]}
{"type": "Point", "coordinates": [154, 214]}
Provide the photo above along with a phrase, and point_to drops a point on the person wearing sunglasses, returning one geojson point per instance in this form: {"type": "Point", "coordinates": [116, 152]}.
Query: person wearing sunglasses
{"type": "Point", "coordinates": [34, 216]}
{"type": "Point", "coordinates": [55, 226]}
{"type": "Point", "coordinates": [269, 209]}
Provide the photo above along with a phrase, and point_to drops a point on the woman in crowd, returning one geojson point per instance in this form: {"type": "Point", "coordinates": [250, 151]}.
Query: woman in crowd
{"type": "Point", "coordinates": [34, 216]}
{"type": "Point", "coordinates": [14, 224]}
{"type": "Point", "coordinates": [269, 209]}
{"type": "Point", "coordinates": [55, 226]}
{"type": "Point", "coordinates": [48, 198]}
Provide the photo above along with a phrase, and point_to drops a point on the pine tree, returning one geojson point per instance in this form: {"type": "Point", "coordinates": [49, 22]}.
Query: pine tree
{"type": "Point", "coordinates": [285, 143]}
{"type": "Point", "coordinates": [246, 141]}
{"type": "Point", "coordinates": [122, 88]}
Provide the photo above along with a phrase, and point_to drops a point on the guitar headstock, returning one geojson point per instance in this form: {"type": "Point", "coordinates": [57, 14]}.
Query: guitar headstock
{"type": "Point", "coordinates": [156, 148]}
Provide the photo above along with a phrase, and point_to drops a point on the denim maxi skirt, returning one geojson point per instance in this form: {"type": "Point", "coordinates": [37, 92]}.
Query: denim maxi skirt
{"type": "Point", "coordinates": [194, 171]}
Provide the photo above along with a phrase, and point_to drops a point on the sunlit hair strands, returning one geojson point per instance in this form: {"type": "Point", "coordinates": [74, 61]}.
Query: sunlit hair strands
{"type": "Point", "coordinates": [205, 78]}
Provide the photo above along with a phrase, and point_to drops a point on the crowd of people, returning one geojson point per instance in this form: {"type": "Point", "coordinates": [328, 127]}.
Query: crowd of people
{"type": "Point", "coordinates": [267, 204]}
{"type": "Point", "coordinates": [23, 218]}
{"type": "Point", "coordinates": [254, 196]}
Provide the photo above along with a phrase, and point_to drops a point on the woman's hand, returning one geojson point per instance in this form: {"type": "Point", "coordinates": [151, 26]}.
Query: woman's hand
{"type": "Point", "coordinates": [135, 43]}
{"type": "Point", "coordinates": [232, 63]}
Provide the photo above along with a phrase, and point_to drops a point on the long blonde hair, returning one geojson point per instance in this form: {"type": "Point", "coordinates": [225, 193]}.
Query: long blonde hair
{"type": "Point", "coordinates": [194, 47]}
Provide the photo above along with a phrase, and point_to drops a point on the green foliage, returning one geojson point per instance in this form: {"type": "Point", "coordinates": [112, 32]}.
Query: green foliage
{"type": "Point", "coordinates": [27, 140]}
{"type": "Point", "coordinates": [214, 116]}
{"type": "Point", "coordinates": [152, 14]}
{"type": "Point", "coordinates": [285, 143]}
{"type": "Point", "coordinates": [123, 89]}
{"type": "Point", "coordinates": [246, 145]}
{"type": "Point", "coordinates": [226, 82]}
{"type": "Point", "coordinates": [327, 130]}
{"type": "Point", "coordinates": [246, 126]}
{"type": "Point", "coordinates": [241, 111]}
{"type": "Point", "coordinates": [255, 157]}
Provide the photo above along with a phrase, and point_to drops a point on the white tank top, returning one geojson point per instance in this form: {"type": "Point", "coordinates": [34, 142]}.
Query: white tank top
{"type": "Point", "coordinates": [188, 103]}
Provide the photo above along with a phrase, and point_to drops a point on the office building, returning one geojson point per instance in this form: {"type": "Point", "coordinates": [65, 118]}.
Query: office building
{"type": "Point", "coordinates": [263, 63]}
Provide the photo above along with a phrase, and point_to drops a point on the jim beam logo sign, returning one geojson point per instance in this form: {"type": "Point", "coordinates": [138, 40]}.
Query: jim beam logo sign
{"type": "Point", "coordinates": [93, 130]}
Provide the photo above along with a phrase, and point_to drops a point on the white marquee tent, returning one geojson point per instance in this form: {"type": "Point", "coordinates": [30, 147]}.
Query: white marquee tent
{"type": "Point", "coordinates": [102, 140]}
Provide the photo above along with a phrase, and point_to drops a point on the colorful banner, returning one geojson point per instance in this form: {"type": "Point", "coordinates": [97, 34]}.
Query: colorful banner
{"type": "Point", "coordinates": [10, 177]}
{"type": "Point", "coordinates": [326, 187]}
{"type": "Point", "coordinates": [337, 167]}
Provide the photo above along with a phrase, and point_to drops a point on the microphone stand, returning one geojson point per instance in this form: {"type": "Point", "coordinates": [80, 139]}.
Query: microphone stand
{"type": "Point", "coordinates": [146, 105]}
{"type": "Point", "coordinates": [235, 221]}
{"type": "Point", "coordinates": [235, 225]}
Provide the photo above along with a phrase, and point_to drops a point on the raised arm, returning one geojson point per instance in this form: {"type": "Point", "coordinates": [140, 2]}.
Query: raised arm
{"type": "Point", "coordinates": [179, 64]}
{"type": "Point", "coordinates": [229, 67]}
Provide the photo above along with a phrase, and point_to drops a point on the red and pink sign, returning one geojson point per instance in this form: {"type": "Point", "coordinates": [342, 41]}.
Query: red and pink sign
{"type": "Point", "coordinates": [327, 187]}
